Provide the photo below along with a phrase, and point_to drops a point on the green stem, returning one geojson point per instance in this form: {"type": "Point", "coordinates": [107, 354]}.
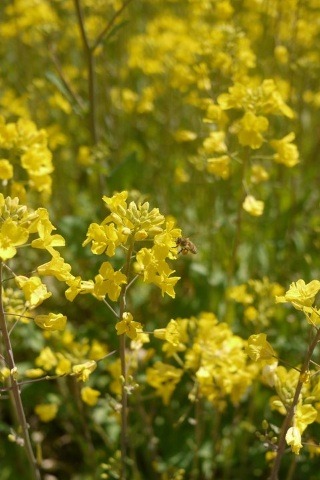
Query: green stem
{"type": "Point", "coordinates": [124, 373]}
{"type": "Point", "coordinates": [198, 436]}
{"type": "Point", "coordinates": [91, 74]}
{"type": "Point", "coordinates": [109, 25]}
{"type": "Point", "coordinates": [15, 389]}
{"type": "Point", "coordinates": [237, 237]}
{"type": "Point", "coordinates": [290, 413]}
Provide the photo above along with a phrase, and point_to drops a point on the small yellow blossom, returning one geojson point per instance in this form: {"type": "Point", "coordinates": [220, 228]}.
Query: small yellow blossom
{"type": "Point", "coordinates": [252, 206]}
{"type": "Point", "coordinates": [164, 378]}
{"type": "Point", "coordinates": [4, 373]}
{"type": "Point", "coordinates": [78, 286]}
{"type": "Point", "coordinates": [63, 366]}
{"type": "Point", "coordinates": [287, 152]}
{"type": "Point", "coordinates": [47, 359]}
{"type": "Point", "coordinates": [12, 235]}
{"type": "Point", "coordinates": [281, 54]}
{"type": "Point", "coordinates": [104, 238]}
{"type": "Point", "coordinates": [83, 370]}
{"type": "Point", "coordinates": [6, 169]}
{"type": "Point", "coordinates": [251, 313]}
{"type": "Point", "coordinates": [258, 174]}
{"type": "Point", "coordinates": [46, 240]}
{"type": "Point", "coordinates": [184, 136]}
{"type": "Point", "coordinates": [300, 294]}
{"type": "Point", "coordinates": [51, 322]}
{"type": "Point", "coordinates": [215, 143]}
{"type": "Point", "coordinates": [250, 128]}
{"type": "Point", "coordinates": [34, 373]}
{"type": "Point", "coordinates": [259, 348]}
{"type": "Point", "coordinates": [90, 396]}
{"type": "Point", "coordinates": [34, 290]}
{"type": "Point", "coordinates": [293, 438]}
{"type": "Point", "coordinates": [85, 157]}
{"type": "Point", "coordinates": [98, 350]}
{"type": "Point", "coordinates": [46, 411]}
{"type": "Point", "coordinates": [219, 166]}
{"type": "Point", "coordinates": [128, 326]}
{"type": "Point", "coordinates": [108, 282]}
{"type": "Point", "coordinates": [57, 267]}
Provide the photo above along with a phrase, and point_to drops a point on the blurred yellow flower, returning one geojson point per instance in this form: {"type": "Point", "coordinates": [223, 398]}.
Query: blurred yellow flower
{"type": "Point", "coordinates": [90, 396]}
{"type": "Point", "coordinates": [6, 169]}
{"type": "Point", "coordinates": [252, 206]}
{"type": "Point", "coordinates": [51, 322]}
{"type": "Point", "coordinates": [46, 411]}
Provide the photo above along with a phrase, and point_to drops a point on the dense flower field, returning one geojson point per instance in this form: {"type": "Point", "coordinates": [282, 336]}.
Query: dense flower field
{"type": "Point", "coordinates": [159, 239]}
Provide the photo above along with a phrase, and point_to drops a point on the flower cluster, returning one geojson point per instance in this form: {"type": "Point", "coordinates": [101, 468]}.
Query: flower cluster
{"type": "Point", "coordinates": [129, 226]}
{"type": "Point", "coordinates": [257, 299]}
{"type": "Point", "coordinates": [297, 387]}
{"type": "Point", "coordinates": [21, 143]}
{"type": "Point", "coordinates": [18, 226]}
{"type": "Point", "coordinates": [212, 355]}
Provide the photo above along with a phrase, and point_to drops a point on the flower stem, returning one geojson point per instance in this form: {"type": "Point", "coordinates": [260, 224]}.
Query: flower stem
{"type": "Point", "coordinates": [124, 375]}
{"type": "Point", "coordinates": [290, 413]}
{"type": "Point", "coordinates": [15, 389]}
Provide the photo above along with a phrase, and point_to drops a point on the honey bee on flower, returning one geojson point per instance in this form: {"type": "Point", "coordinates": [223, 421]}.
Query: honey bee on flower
{"type": "Point", "coordinates": [186, 246]}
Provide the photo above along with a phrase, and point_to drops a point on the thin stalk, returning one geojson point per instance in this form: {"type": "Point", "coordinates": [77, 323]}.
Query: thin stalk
{"type": "Point", "coordinates": [15, 390]}
{"type": "Point", "coordinates": [197, 436]}
{"type": "Point", "coordinates": [237, 237]}
{"type": "Point", "coordinates": [124, 370]}
{"type": "Point", "coordinates": [109, 25]}
{"type": "Point", "coordinates": [290, 413]}
{"type": "Point", "coordinates": [91, 74]}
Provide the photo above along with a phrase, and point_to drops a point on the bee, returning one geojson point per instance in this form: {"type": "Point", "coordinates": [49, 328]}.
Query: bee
{"type": "Point", "coordinates": [186, 246]}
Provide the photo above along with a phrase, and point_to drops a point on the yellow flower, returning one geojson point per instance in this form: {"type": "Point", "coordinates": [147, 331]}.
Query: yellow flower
{"type": "Point", "coordinates": [47, 359]}
{"type": "Point", "coordinates": [293, 438]}
{"type": "Point", "coordinates": [46, 411]}
{"type": "Point", "coordinates": [44, 228]}
{"type": "Point", "coordinates": [57, 268]}
{"type": "Point", "coordinates": [164, 378]}
{"type": "Point", "coordinates": [78, 286]}
{"type": "Point", "coordinates": [37, 161]}
{"type": "Point", "coordinates": [281, 54]}
{"type": "Point", "coordinates": [259, 348]}
{"type": "Point", "coordinates": [304, 416]}
{"type": "Point", "coordinates": [83, 370]}
{"type": "Point", "coordinates": [128, 326]}
{"type": "Point", "coordinates": [85, 157]}
{"type": "Point", "coordinates": [34, 373]}
{"type": "Point", "coordinates": [34, 290]}
{"type": "Point", "coordinates": [239, 293]}
{"type": "Point", "coordinates": [249, 130]}
{"type": "Point", "coordinates": [90, 395]}
{"type": "Point", "coordinates": [287, 153]}
{"type": "Point", "coordinates": [51, 322]}
{"type": "Point", "coordinates": [151, 262]}
{"type": "Point", "coordinates": [219, 166]}
{"type": "Point", "coordinates": [11, 235]}
{"type": "Point", "coordinates": [6, 169]}
{"type": "Point", "coordinates": [4, 374]}
{"type": "Point", "coordinates": [108, 282]}
{"type": "Point", "coordinates": [173, 335]}
{"type": "Point", "coordinates": [258, 174]}
{"type": "Point", "coordinates": [184, 136]}
{"type": "Point", "coordinates": [300, 294]}
{"type": "Point", "coordinates": [251, 313]}
{"type": "Point", "coordinates": [104, 238]}
{"type": "Point", "coordinates": [215, 143]}
{"type": "Point", "coordinates": [64, 365]}
{"type": "Point", "coordinates": [253, 206]}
